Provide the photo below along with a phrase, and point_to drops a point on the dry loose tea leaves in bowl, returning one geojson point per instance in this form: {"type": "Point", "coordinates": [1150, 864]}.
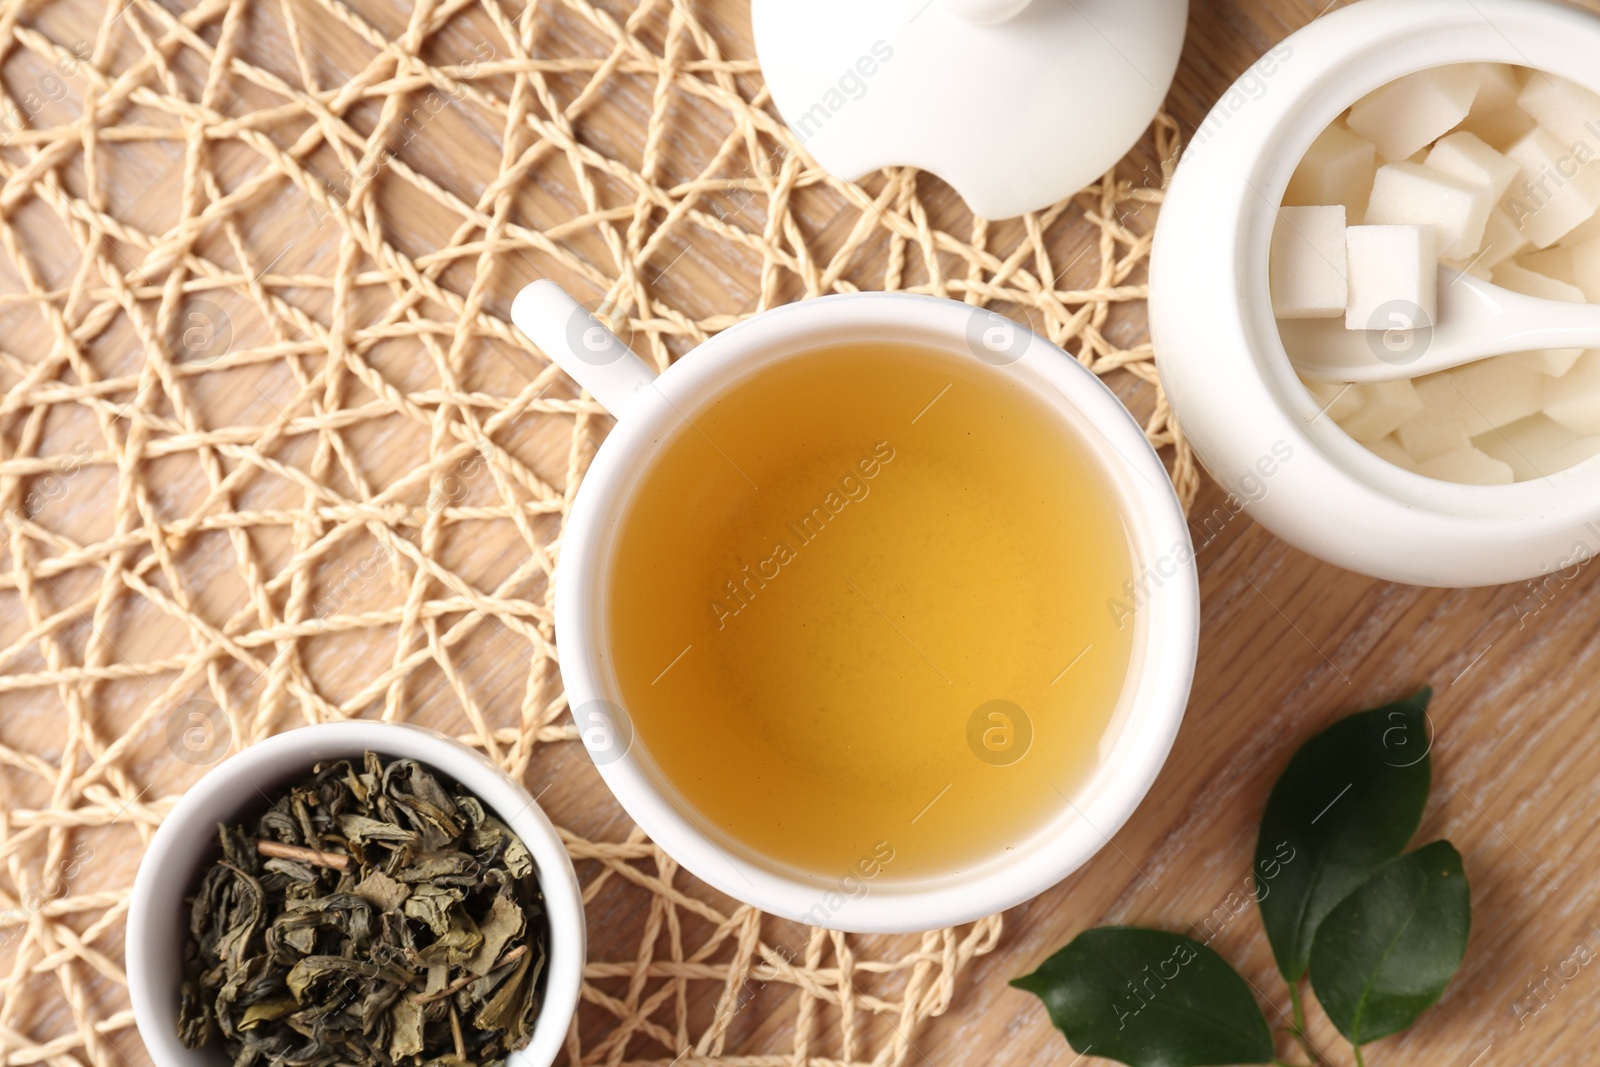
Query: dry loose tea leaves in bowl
{"type": "Point", "coordinates": [377, 915]}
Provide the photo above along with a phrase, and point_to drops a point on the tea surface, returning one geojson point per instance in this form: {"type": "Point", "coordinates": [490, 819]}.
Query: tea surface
{"type": "Point", "coordinates": [860, 613]}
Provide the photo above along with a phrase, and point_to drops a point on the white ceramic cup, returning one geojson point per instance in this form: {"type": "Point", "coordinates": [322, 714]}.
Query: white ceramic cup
{"type": "Point", "coordinates": [1218, 349]}
{"type": "Point", "coordinates": [651, 410]}
{"type": "Point", "coordinates": [239, 788]}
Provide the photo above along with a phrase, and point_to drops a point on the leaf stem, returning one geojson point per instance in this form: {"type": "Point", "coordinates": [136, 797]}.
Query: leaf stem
{"type": "Point", "coordinates": [468, 978]}
{"type": "Point", "coordinates": [301, 854]}
{"type": "Point", "coordinates": [1306, 1046]}
{"type": "Point", "coordinates": [1359, 1061]}
{"type": "Point", "coordinates": [1298, 1030]}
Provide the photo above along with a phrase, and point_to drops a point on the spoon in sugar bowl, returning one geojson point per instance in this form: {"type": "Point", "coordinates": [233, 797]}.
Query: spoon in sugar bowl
{"type": "Point", "coordinates": [1475, 320]}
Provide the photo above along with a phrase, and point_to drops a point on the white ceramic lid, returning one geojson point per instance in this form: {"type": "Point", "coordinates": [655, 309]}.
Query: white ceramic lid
{"type": "Point", "coordinates": [1016, 103]}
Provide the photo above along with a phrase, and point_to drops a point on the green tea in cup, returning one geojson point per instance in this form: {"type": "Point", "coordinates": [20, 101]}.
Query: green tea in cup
{"type": "Point", "coordinates": [868, 611]}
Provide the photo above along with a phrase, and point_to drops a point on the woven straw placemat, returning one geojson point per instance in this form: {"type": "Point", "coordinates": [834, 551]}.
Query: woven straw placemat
{"type": "Point", "coordinates": [270, 452]}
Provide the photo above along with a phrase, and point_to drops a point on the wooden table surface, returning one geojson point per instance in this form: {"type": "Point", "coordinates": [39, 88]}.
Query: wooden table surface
{"type": "Point", "coordinates": [1288, 644]}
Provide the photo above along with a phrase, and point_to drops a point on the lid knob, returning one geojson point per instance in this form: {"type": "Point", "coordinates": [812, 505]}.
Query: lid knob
{"type": "Point", "coordinates": [986, 12]}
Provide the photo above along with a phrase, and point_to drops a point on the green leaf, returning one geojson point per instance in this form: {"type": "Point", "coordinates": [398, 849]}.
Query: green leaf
{"type": "Point", "coordinates": [1348, 802]}
{"type": "Point", "coordinates": [1384, 955]}
{"type": "Point", "coordinates": [1151, 999]}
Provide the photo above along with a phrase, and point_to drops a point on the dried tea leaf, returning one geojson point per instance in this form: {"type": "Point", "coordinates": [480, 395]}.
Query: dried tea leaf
{"type": "Point", "coordinates": [196, 1026]}
{"type": "Point", "coordinates": [298, 872]}
{"type": "Point", "coordinates": [518, 860]}
{"type": "Point", "coordinates": [267, 1011]}
{"type": "Point", "coordinates": [503, 1010]}
{"type": "Point", "coordinates": [325, 969]}
{"type": "Point", "coordinates": [238, 904]}
{"type": "Point", "coordinates": [441, 868]}
{"type": "Point", "coordinates": [505, 922]}
{"type": "Point", "coordinates": [360, 829]}
{"type": "Point", "coordinates": [432, 904]}
{"type": "Point", "coordinates": [382, 892]}
{"type": "Point", "coordinates": [378, 916]}
{"type": "Point", "coordinates": [237, 849]}
{"type": "Point", "coordinates": [423, 802]}
{"type": "Point", "coordinates": [455, 946]}
{"type": "Point", "coordinates": [405, 1021]}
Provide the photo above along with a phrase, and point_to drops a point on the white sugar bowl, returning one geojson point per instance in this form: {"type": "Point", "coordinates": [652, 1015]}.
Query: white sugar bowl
{"type": "Point", "coordinates": [1252, 423]}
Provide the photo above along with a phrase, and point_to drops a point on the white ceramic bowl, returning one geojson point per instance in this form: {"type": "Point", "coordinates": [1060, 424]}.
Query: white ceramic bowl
{"type": "Point", "coordinates": [651, 411]}
{"type": "Point", "coordinates": [240, 787]}
{"type": "Point", "coordinates": [1217, 346]}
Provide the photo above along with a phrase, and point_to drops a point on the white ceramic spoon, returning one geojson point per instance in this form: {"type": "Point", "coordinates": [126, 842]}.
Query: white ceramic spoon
{"type": "Point", "coordinates": [1475, 320]}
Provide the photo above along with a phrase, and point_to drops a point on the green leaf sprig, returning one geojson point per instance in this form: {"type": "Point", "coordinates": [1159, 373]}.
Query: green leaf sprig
{"type": "Point", "coordinates": [1379, 932]}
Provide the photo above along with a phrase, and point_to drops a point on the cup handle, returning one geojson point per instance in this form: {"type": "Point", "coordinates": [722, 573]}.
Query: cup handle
{"type": "Point", "coordinates": [594, 356]}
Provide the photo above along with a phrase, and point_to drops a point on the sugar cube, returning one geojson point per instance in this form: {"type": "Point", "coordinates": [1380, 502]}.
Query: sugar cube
{"type": "Point", "coordinates": [1537, 446]}
{"type": "Point", "coordinates": [1389, 448]}
{"type": "Point", "coordinates": [1553, 262]}
{"type": "Point", "coordinates": [1464, 155]}
{"type": "Point", "coordinates": [1584, 232]}
{"type": "Point", "coordinates": [1573, 399]}
{"type": "Point", "coordinates": [1468, 466]}
{"type": "Point", "coordinates": [1519, 279]}
{"type": "Point", "coordinates": [1480, 396]}
{"type": "Point", "coordinates": [1337, 400]}
{"type": "Point", "coordinates": [1392, 273]}
{"type": "Point", "coordinates": [1551, 361]}
{"type": "Point", "coordinates": [1501, 241]}
{"type": "Point", "coordinates": [1307, 263]}
{"type": "Point", "coordinates": [1384, 406]}
{"type": "Point", "coordinates": [1421, 195]}
{"type": "Point", "coordinates": [1433, 431]}
{"type": "Point", "coordinates": [1569, 111]}
{"type": "Point", "coordinates": [1495, 116]}
{"type": "Point", "coordinates": [1462, 403]}
{"type": "Point", "coordinates": [1336, 169]}
{"type": "Point", "coordinates": [1556, 191]}
{"type": "Point", "coordinates": [1499, 84]}
{"type": "Point", "coordinates": [1416, 110]}
{"type": "Point", "coordinates": [1586, 268]}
